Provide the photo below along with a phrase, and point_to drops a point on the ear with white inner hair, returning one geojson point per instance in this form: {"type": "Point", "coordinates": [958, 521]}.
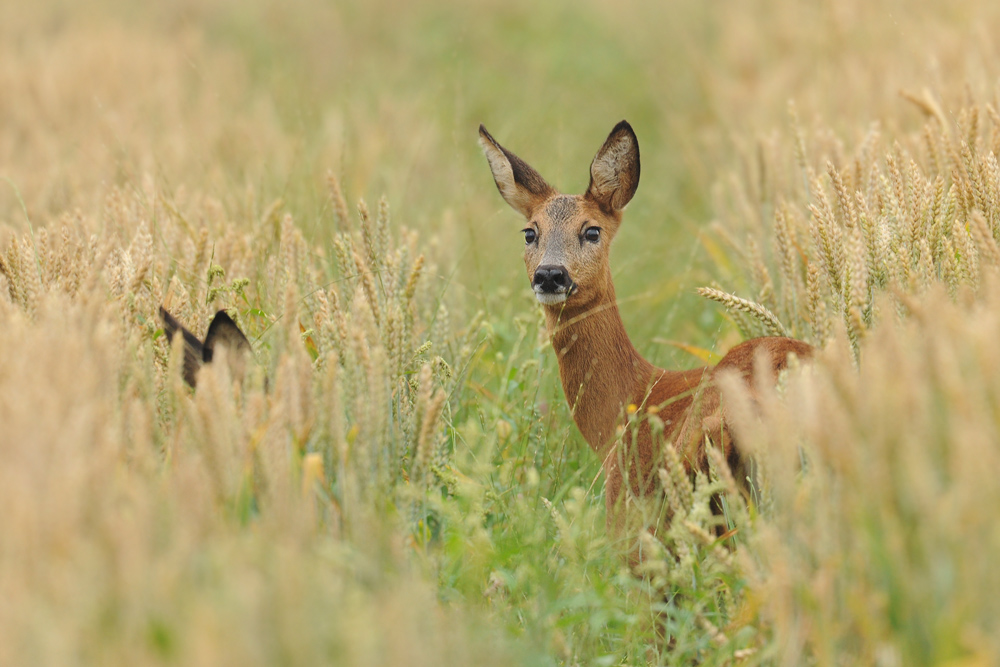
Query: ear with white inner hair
{"type": "Point", "coordinates": [614, 173]}
{"type": "Point", "coordinates": [521, 186]}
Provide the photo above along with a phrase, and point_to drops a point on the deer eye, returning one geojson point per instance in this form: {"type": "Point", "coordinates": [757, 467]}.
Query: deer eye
{"type": "Point", "coordinates": [592, 234]}
{"type": "Point", "coordinates": [529, 235]}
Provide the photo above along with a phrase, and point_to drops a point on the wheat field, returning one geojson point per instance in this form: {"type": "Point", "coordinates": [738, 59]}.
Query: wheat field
{"type": "Point", "coordinates": [398, 480]}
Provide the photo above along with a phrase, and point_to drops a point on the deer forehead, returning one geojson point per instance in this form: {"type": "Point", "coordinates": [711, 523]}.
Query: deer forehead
{"type": "Point", "coordinates": [560, 210]}
{"type": "Point", "coordinates": [567, 211]}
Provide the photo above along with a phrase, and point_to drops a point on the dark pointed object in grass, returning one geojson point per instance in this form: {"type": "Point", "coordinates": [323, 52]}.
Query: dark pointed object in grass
{"type": "Point", "coordinates": [222, 332]}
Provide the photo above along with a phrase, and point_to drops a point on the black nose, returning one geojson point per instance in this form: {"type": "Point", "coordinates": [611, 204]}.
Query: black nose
{"type": "Point", "coordinates": [551, 279]}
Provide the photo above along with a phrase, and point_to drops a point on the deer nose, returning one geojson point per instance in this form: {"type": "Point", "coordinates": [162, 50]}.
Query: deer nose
{"type": "Point", "coordinates": [551, 279]}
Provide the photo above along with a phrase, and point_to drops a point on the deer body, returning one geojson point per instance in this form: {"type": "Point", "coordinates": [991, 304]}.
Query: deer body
{"type": "Point", "coordinates": [567, 244]}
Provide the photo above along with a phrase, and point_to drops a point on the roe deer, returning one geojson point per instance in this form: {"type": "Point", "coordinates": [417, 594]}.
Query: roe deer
{"type": "Point", "coordinates": [566, 252]}
{"type": "Point", "coordinates": [221, 332]}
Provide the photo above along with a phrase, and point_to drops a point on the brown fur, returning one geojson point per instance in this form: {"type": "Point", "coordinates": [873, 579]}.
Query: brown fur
{"type": "Point", "coordinates": [601, 371]}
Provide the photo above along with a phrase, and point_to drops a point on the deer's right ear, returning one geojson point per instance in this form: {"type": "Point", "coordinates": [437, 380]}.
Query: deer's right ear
{"type": "Point", "coordinates": [520, 185]}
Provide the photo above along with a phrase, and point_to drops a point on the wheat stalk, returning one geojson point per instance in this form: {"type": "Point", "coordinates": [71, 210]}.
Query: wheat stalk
{"type": "Point", "coordinates": [755, 310]}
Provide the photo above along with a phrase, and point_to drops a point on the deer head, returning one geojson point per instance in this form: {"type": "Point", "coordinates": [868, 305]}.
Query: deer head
{"type": "Point", "coordinates": [568, 237]}
{"type": "Point", "coordinates": [222, 333]}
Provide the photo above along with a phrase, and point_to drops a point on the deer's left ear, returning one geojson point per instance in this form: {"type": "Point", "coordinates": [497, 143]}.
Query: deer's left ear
{"type": "Point", "coordinates": [614, 173]}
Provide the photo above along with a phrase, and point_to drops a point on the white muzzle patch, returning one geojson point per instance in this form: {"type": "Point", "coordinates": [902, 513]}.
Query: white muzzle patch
{"type": "Point", "coordinates": [549, 298]}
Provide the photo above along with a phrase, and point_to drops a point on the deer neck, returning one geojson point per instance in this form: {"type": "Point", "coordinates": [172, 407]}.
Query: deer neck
{"type": "Point", "coordinates": [600, 369]}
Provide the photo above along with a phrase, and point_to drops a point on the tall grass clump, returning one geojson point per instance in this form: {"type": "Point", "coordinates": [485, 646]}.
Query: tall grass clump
{"type": "Point", "coordinates": [823, 230]}
{"type": "Point", "coordinates": [877, 517]}
{"type": "Point", "coordinates": [147, 521]}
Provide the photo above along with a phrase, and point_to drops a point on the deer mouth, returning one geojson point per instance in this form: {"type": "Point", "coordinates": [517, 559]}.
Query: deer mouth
{"type": "Point", "coordinates": [553, 297]}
